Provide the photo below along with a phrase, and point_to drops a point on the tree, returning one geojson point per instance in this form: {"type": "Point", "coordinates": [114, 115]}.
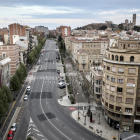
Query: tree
{"type": "Point", "coordinates": [19, 74]}
{"type": "Point", "coordinates": [136, 28]}
{"type": "Point", "coordinates": [24, 70]}
{"type": "Point", "coordinates": [15, 83]}
{"type": "Point", "coordinates": [120, 27]}
{"type": "Point", "coordinates": [60, 38]}
{"type": "Point", "coordinates": [7, 92]}
{"type": "Point", "coordinates": [29, 138]}
{"type": "Point", "coordinates": [103, 27]}
{"type": "Point", "coordinates": [2, 109]}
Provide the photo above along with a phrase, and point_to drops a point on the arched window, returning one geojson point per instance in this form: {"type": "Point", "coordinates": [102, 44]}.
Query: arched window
{"type": "Point", "coordinates": [121, 58]}
{"type": "Point", "coordinates": [116, 57]}
{"type": "Point", "coordinates": [132, 59]}
{"type": "Point", "coordinates": [112, 57]}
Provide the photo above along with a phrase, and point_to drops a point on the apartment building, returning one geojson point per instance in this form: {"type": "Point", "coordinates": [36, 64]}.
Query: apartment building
{"type": "Point", "coordinates": [65, 31]}
{"type": "Point", "coordinates": [5, 71]}
{"type": "Point", "coordinates": [96, 74]}
{"type": "Point", "coordinates": [4, 36]}
{"type": "Point", "coordinates": [11, 51]}
{"type": "Point", "coordinates": [121, 86]}
{"type": "Point", "coordinates": [42, 28]}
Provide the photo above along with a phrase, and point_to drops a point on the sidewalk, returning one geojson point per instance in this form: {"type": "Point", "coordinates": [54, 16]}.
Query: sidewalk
{"type": "Point", "coordinates": [102, 129]}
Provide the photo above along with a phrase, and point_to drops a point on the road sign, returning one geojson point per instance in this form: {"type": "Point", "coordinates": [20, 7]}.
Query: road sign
{"type": "Point", "coordinates": [72, 108]}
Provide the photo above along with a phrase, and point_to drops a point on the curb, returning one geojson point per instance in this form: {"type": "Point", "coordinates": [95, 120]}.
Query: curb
{"type": "Point", "coordinates": [86, 128]}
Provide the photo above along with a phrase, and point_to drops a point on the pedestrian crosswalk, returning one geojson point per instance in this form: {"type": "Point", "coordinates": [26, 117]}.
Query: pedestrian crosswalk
{"type": "Point", "coordinates": [47, 77]}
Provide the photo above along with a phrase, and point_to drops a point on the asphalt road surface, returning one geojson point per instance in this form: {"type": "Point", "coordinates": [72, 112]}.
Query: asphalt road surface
{"type": "Point", "coordinates": [43, 117]}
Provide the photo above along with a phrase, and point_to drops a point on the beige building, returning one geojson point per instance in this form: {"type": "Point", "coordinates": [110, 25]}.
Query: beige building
{"type": "Point", "coordinates": [5, 70]}
{"type": "Point", "coordinates": [96, 74]}
{"type": "Point", "coordinates": [121, 86]}
{"type": "Point", "coordinates": [12, 51]}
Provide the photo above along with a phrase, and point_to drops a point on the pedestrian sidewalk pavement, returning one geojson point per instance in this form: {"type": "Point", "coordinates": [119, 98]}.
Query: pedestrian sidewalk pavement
{"type": "Point", "coordinates": [99, 126]}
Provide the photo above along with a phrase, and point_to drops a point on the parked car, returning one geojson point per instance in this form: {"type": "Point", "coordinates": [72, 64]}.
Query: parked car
{"type": "Point", "coordinates": [62, 85]}
{"type": "Point", "coordinates": [42, 54]}
{"type": "Point", "coordinates": [14, 127]}
{"type": "Point", "coordinates": [27, 92]}
{"type": "Point", "coordinates": [58, 71]}
{"type": "Point", "coordinates": [26, 97]}
{"type": "Point", "coordinates": [46, 60]}
{"type": "Point", "coordinates": [61, 80]}
{"type": "Point", "coordinates": [10, 135]}
{"type": "Point", "coordinates": [28, 88]}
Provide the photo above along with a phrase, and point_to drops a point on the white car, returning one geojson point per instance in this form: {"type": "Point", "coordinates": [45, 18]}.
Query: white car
{"type": "Point", "coordinates": [14, 127]}
{"type": "Point", "coordinates": [28, 88]}
{"type": "Point", "coordinates": [62, 85]}
{"type": "Point", "coordinates": [26, 97]}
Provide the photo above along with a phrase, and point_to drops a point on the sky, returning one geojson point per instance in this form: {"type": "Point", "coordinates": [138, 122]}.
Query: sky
{"type": "Point", "coordinates": [74, 13]}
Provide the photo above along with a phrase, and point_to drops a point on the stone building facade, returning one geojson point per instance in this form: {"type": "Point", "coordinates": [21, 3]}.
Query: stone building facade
{"type": "Point", "coordinates": [121, 86]}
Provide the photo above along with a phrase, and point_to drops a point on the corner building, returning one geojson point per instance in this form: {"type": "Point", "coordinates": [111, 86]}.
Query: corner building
{"type": "Point", "coordinates": [121, 86]}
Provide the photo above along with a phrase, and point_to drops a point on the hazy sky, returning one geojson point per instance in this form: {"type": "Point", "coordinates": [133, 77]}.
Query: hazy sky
{"type": "Point", "coordinates": [74, 13]}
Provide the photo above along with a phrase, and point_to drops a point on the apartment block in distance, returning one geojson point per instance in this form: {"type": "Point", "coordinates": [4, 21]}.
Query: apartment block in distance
{"type": "Point", "coordinates": [11, 51]}
{"type": "Point", "coordinates": [121, 86]}
{"type": "Point", "coordinates": [65, 31]}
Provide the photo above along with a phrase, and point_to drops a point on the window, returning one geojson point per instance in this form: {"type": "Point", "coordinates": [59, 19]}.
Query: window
{"type": "Point", "coordinates": [111, 106]}
{"type": "Point", "coordinates": [128, 45]}
{"type": "Point", "coordinates": [91, 51]}
{"type": "Point", "coordinates": [119, 89]}
{"type": "Point", "coordinates": [112, 57]}
{"type": "Point", "coordinates": [107, 77]}
{"type": "Point", "coordinates": [108, 68]}
{"type": "Point", "coordinates": [94, 45]}
{"type": "Point", "coordinates": [128, 110]}
{"type": "Point", "coordinates": [4, 55]}
{"type": "Point", "coordinates": [113, 69]}
{"type": "Point", "coordinates": [84, 46]}
{"type": "Point", "coordinates": [118, 108]}
{"type": "Point", "coordinates": [91, 45]}
{"type": "Point", "coordinates": [93, 77]}
{"type": "Point", "coordinates": [94, 51]}
{"type": "Point", "coordinates": [129, 100]}
{"type": "Point", "coordinates": [111, 97]}
{"type": "Point", "coordinates": [121, 70]}
{"type": "Point", "coordinates": [120, 80]}
{"type": "Point", "coordinates": [121, 58]}
{"type": "Point", "coordinates": [103, 83]}
{"type": "Point", "coordinates": [107, 95]}
{"type": "Point", "coordinates": [106, 104]}
{"type": "Point", "coordinates": [97, 82]}
{"type": "Point", "coordinates": [131, 81]}
{"type": "Point", "coordinates": [104, 66]}
{"type": "Point", "coordinates": [126, 117]}
{"type": "Point", "coordinates": [116, 57]}
{"type": "Point", "coordinates": [135, 45]}
{"type": "Point", "coordinates": [107, 86]}
{"type": "Point", "coordinates": [131, 70]}
{"type": "Point", "coordinates": [119, 99]}
{"type": "Point", "coordinates": [126, 128]}
{"type": "Point", "coordinates": [112, 79]}
{"type": "Point", "coordinates": [130, 90]}
{"type": "Point", "coordinates": [96, 89]}
{"type": "Point", "coordinates": [132, 59]}
{"type": "Point", "coordinates": [97, 51]}
{"type": "Point", "coordinates": [98, 96]}
{"type": "Point", "coordinates": [112, 88]}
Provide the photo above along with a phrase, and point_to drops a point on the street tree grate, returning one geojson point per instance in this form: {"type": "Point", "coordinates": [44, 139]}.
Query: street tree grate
{"type": "Point", "coordinates": [50, 115]}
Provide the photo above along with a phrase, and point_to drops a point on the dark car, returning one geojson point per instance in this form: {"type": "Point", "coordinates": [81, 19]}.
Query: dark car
{"type": "Point", "coordinates": [58, 71]}
{"type": "Point", "coordinates": [10, 135]}
{"type": "Point", "coordinates": [28, 92]}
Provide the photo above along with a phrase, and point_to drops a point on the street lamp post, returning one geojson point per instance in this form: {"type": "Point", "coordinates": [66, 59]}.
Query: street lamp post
{"type": "Point", "coordinates": [78, 108]}
{"type": "Point", "coordinates": [119, 125]}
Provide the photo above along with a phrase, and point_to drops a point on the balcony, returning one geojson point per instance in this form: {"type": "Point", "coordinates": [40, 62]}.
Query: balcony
{"type": "Point", "coordinates": [138, 113]}
{"type": "Point", "coordinates": [83, 63]}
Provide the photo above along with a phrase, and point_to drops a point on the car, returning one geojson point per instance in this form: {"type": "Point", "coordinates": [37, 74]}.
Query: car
{"type": "Point", "coordinates": [61, 80]}
{"type": "Point", "coordinates": [14, 127]}
{"type": "Point", "coordinates": [26, 97]}
{"type": "Point", "coordinates": [46, 60]}
{"type": "Point", "coordinates": [58, 71]}
{"type": "Point", "coordinates": [10, 135]}
{"type": "Point", "coordinates": [42, 54]}
{"type": "Point", "coordinates": [28, 88]}
{"type": "Point", "coordinates": [27, 92]}
{"type": "Point", "coordinates": [62, 85]}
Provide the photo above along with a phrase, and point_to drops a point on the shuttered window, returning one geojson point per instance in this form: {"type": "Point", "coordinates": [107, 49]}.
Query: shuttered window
{"type": "Point", "coordinates": [119, 99]}
{"type": "Point", "coordinates": [132, 71]}
{"type": "Point", "coordinates": [113, 69]}
{"type": "Point", "coordinates": [131, 81]}
{"type": "Point", "coordinates": [112, 88]}
{"type": "Point", "coordinates": [129, 100]}
{"type": "Point", "coordinates": [111, 97]}
{"type": "Point", "coordinates": [121, 70]}
{"type": "Point", "coordinates": [107, 86]}
{"type": "Point", "coordinates": [130, 90]}
{"type": "Point", "coordinates": [107, 95]}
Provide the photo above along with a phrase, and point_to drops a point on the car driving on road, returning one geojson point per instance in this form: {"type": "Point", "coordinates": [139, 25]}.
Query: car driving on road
{"type": "Point", "coordinates": [26, 97]}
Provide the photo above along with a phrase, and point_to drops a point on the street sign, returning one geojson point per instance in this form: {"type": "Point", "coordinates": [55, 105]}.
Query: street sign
{"type": "Point", "coordinates": [72, 108]}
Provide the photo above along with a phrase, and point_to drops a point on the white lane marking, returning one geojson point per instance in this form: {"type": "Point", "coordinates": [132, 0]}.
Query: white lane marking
{"type": "Point", "coordinates": [73, 132]}
{"type": "Point", "coordinates": [54, 135]}
{"type": "Point", "coordinates": [57, 119]}
{"type": "Point", "coordinates": [81, 138]}
{"type": "Point", "coordinates": [28, 133]}
{"type": "Point", "coordinates": [46, 103]}
{"type": "Point", "coordinates": [39, 135]}
{"type": "Point", "coordinates": [47, 117]}
{"type": "Point", "coordinates": [35, 129]}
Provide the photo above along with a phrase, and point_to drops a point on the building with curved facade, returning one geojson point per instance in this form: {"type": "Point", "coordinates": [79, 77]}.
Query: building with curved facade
{"type": "Point", "coordinates": [121, 86]}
